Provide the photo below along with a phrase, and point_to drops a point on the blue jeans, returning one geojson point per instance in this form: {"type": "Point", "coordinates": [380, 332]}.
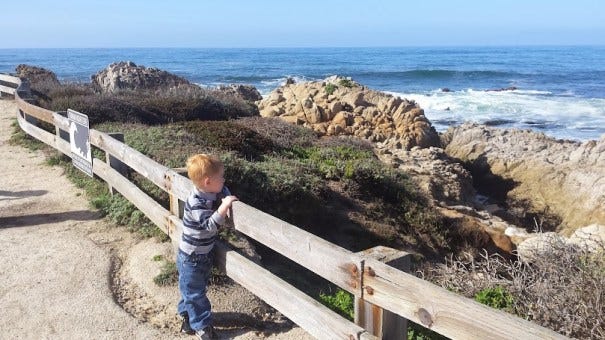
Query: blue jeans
{"type": "Point", "coordinates": [194, 272]}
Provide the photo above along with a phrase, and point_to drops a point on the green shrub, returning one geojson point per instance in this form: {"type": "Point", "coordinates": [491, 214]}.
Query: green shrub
{"type": "Point", "coordinates": [346, 83]}
{"type": "Point", "coordinates": [330, 88]}
{"type": "Point", "coordinates": [495, 297]}
{"type": "Point", "coordinates": [341, 302]}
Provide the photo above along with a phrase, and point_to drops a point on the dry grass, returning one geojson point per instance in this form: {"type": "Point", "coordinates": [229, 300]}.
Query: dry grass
{"type": "Point", "coordinates": [563, 289]}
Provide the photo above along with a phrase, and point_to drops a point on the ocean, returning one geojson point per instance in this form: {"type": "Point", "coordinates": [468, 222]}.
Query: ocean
{"type": "Point", "coordinates": [559, 91]}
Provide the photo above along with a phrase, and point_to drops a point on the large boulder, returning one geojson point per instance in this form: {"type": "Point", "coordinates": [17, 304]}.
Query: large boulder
{"type": "Point", "coordinates": [127, 75]}
{"type": "Point", "coordinates": [37, 75]}
{"type": "Point", "coordinates": [339, 106]}
{"type": "Point", "coordinates": [560, 182]}
{"type": "Point", "coordinates": [538, 245]}
{"type": "Point", "coordinates": [245, 92]}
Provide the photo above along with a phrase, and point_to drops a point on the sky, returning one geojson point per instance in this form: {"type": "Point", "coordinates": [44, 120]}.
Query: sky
{"type": "Point", "coordinates": [308, 23]}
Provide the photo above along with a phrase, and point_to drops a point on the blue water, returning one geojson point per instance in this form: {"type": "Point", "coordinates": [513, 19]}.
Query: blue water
{"type": "Point", "coordinates": [560, 90]}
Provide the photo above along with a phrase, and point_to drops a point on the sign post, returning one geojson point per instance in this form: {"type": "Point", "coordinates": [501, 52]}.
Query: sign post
{"type": "Point", "coordinates": [79, 141]}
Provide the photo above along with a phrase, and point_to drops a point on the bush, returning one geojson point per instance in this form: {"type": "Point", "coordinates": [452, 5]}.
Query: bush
{"type": "Point", "coordinates": [283, 135]}
{"type": "Point", "coordinates": [346, 83]}
{"type": "Point", "coordinates": [495, 297]}
{"type": "Point", "coordinates": [330, 88]}
{"type": "Point", "coordinates": [341, 302]}
{"type": "Point", "coordinates": [143, 106]}
{"type": "Point", "coordinates": [563, 289]}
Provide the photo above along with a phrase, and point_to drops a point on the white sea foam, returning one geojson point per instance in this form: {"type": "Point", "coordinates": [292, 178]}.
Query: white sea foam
{"type": "Point", "coordinates": [202, 85]}
{"type": "Point", "coordinates": [269, 85]}
{"type": "Point", "coordinates": [559, 116]}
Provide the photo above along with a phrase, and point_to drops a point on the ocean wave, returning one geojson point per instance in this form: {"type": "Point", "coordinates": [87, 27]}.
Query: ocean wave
{"type": "Point", "coordinates": [559, 116]}
{"type": "Point", "coordinates": [276, 82]}
{"type": "Point", "coordinates": [437, 74]}
{"type": "Point", "coordinates": [533, 92]}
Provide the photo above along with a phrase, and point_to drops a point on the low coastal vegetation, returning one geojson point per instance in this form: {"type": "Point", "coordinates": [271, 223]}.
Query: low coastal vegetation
{"type": "Point", "coordinates": [334, 187]}
{"type": "Point", "coordinates": [561, 289]}
{"type": "Point", "coordinates": [142, 106]}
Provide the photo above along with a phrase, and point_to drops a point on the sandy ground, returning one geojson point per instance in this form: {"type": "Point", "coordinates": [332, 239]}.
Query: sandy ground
{"type": "Point", "coordinates": [65, 273]}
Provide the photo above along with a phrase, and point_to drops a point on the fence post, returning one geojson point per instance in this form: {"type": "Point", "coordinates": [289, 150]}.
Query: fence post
{"type": "Point", "coordinates": [378, 321]}
{"type": "Point", "coordinates": [62, 134]}
{"type": "Point", "coordinates": [115, 163]}
{"type": "Point", "coordinates": [177, 206]}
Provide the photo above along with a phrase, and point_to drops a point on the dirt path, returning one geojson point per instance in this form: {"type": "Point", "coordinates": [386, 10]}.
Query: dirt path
{"type": "Point", "coordinates": [53, 276]}
{"type": "Point", "coordinates": [58, 262]}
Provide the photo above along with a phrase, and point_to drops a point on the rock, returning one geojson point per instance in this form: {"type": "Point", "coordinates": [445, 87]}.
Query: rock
{"type": "Point", "coordinates": [479, 231]}
{"type": "Point", "coordinates": [376, 116]}
{"type": "Point", "coordinates": [542, 243]}
{"type": "Point", "coordinates": [511, 88]}
{"type": "Point", "coordinates": [561, 182]}
{"type": "Point", "coordinates": [245, 92]}
{"type": "Point", "coordinates": [127, 75]}
{"type": "Point", "coordinates": [590, 238]}
{"type": "Point", "coordinates": [516, 234]}
{"type": "Point", "coordinates": [37, 75]}
{"type": "Point", "coordinates": [439, 176]}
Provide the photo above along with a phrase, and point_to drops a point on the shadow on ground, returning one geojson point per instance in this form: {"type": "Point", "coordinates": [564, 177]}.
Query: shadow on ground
{"type": "Point", "coordinates": [40, 219]}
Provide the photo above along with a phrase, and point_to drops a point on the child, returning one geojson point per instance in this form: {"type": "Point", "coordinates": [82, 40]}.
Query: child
{"type": "Point", "coordinates": [200, 223]}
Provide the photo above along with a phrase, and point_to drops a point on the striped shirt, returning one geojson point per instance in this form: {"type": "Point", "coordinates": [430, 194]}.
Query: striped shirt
{"type": "Point", "coordinates": [201, 221]}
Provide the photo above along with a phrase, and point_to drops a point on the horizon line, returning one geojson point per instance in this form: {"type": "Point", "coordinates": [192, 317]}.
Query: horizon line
{"type": "Point", "coordinates": [311, 47]}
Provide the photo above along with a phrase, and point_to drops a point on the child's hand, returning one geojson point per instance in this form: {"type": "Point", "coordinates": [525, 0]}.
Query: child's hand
{"type": "Point", "coordinates": [226, 204]}
{"type": "Point", "coordinates": [228, 200]}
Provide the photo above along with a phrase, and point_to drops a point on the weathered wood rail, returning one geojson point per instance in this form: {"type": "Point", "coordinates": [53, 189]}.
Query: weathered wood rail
{"type": "Point", "coordinates": [368, 279]}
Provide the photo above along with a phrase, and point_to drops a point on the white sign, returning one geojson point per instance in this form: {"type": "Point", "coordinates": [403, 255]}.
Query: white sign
{"type": "Point", "coordinates": [79, 141]}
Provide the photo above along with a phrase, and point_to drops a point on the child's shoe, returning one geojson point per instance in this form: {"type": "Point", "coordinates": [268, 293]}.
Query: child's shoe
{"type": "Point", "coordinates": [185, 326]}
{"type": "Point", "coordinates": [207, 333]}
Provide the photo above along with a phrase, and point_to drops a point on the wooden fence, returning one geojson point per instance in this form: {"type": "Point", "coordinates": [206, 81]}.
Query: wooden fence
{"type": "Point", "coordinates": [370, 280]}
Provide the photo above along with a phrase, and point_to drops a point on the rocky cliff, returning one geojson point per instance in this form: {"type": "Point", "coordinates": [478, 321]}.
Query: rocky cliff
{"type": "Point", "coordinates": [561, 181]}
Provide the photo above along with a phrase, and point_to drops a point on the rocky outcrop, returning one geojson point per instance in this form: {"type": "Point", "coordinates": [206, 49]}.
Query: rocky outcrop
{"type": "Point", "coordinates": [449, 187]}
{"type": "Point", "coordinates": [439, 177]}
{"type": "Point", "coordinates": [127, 75]}
{"type": "Point", "coordinates": [339, 106]}
{"type": "Point", "coordinates": [245, 92]}
{"type": "Point", "coordinates": [37, 75]}
{"type": "Point", "coordinates": [547, 177]}
{"type": "Point", "coordinates": [590, 238]}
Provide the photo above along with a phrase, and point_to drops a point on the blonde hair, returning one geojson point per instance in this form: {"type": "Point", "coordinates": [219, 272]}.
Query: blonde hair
{"type": "Point", "coordinates": [202, 165]}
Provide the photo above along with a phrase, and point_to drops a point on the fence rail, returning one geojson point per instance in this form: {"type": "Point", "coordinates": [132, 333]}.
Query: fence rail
{"type": "Point", "coordinates": [368, 279]}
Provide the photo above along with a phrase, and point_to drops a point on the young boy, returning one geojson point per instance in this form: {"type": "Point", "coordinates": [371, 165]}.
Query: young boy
{"type": "Point", "coordinates": [200, 222]}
